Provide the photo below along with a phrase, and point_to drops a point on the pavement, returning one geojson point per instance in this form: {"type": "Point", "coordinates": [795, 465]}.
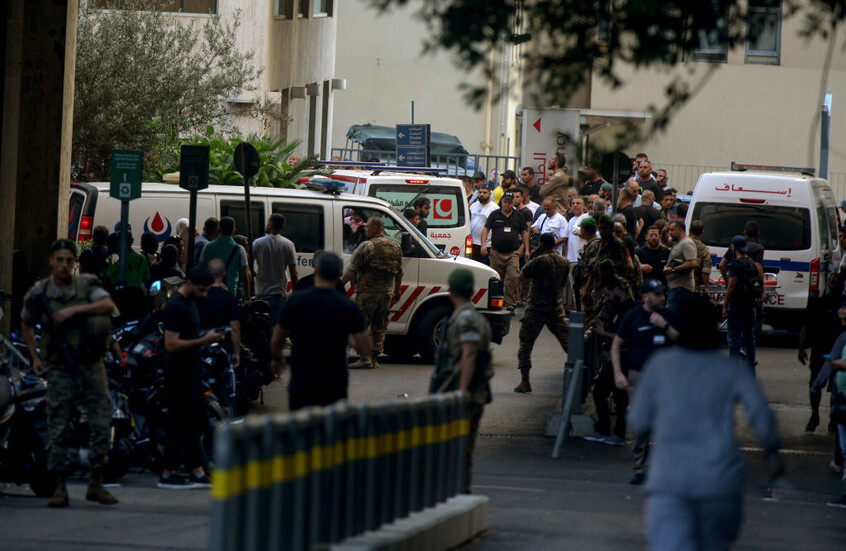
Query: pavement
{"type": "Point", "coordinates": [580, 501]}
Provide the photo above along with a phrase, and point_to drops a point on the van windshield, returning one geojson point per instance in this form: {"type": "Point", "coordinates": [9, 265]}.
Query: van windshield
{"type": "Point", "coordinates": [447, 202]}
{"type": "Point", "coordinates": [782, 228]}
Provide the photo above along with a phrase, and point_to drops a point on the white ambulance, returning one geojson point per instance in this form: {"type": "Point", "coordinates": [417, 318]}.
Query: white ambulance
{"type": "Point", "coordinates": [314, 220]}
{"type": "Point", "coordinates": [449, 220]}
{"type": "Point", "coordinates": [799, 221]}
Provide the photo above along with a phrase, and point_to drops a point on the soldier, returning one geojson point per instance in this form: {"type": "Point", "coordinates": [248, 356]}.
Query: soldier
{"type": "Point", "coordinates": [73, 312]}
{"type": "Point", "coordinates": [464, 358]}
{"type": "Point", "coordinates": [608, 246]}
{"type": "Point", "coordinates": [375, 265]}
{"type": "Point", "coordinates": [546, 272]}
{"type": "Point", "coordinates": [702, 272]}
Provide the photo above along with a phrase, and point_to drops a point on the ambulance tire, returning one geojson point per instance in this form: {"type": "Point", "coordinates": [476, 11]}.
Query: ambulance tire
{"type": "Point", "coordinates": [398, 348]}
{"type": "Point", "coordinates": [428, 334]}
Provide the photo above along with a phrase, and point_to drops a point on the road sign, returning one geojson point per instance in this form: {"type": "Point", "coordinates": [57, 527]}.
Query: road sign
{"type": "Point", "coordinates": [413, 134]}
{"type": "Point", "coordinates": [194, 167]}
{"type": "Point", "coordinates": [247, 160]}
{"type": "Point", "coordinates": [125, 176]}
{"type": "Point", "coordinates": [412, 156]}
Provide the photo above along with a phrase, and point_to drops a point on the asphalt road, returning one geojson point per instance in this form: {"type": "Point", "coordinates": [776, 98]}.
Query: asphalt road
{"type": "Point", "coordinates": [580, 501]}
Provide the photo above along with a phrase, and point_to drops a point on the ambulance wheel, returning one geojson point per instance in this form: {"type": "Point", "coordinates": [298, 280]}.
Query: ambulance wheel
{"type": "Point", "coordinates": [428, 335]}
{"type": "Point", "coordinates": [398, 348]}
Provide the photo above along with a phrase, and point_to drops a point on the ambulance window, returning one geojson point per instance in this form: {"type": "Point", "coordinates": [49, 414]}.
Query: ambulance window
{"type": "Point", "coordinates": [825, 232]}
{"type": "Point", "coordinates": [782, 228]}
{"type": "Point", "coordinates": [446, 202]}
{"type": "Point", "coordinates": [236, 210]}
{"type": "Point", "coordinates": [303, 225]}
{"type": "Point", "coordinates": [354, 230]}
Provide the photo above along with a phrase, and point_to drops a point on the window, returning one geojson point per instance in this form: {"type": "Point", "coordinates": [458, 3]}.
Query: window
{"type": "Point", "coordinates": [356, 217]}
{"type": "Point", "coordinates": [713, 40]}
{"type": "Point", "coordinates": [284, 8]}
{"type": "Point", "coordinates": [322, 8]}
{"type": "Point", "coordinates": [763, 32]}
{"type": "Point", "coordinates": [302, 8]}
{"type": "Point", "coordinates": [303, 225]}
{"type": "Point", "coordinates": [183, 6]}
{"type": "Point", "coordinates": [236, 210]}
{"type": "Point", "coordinates": [782, 228]}
{"type": "Point", "coordinates": [447, 202]}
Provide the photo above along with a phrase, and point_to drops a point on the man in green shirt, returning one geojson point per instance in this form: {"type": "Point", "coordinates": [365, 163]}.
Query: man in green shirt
{"type": "Point", "coordinates": [233, 255]}
{"type": "Point", "coordinates": [137, 268]}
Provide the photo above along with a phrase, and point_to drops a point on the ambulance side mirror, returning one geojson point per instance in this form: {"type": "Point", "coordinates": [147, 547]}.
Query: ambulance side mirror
{"type": "Point", "coordinates": [406, 243]}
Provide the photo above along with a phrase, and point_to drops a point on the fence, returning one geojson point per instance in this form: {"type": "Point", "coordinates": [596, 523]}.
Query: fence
{"type": "Point", "coordinates": [304, 480]}
{"type": "Point", "coordinates": [456, 164]}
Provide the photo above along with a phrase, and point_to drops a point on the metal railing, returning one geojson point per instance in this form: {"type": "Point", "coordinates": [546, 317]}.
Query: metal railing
{"type": "Point", "coordinates": [304, 480]}
{"type": "Point", "coordinates": [456, 164]}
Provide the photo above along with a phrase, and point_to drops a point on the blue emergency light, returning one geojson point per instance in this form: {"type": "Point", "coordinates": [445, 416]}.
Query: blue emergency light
{"type": "Point", "coordinates": [383, 167]}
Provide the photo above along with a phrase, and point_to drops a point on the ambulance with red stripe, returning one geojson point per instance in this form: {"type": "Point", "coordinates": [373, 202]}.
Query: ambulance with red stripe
{"type": "Point", "coordinates": [449, 218]}
{"type": "Point", "coordinates": [315, 220]}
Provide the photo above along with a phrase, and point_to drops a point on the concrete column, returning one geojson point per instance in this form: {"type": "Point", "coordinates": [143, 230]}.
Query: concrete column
{"type": "Point", "coordinates": [40, 55]}
{"type": "Point", "coordinates": [313, 93]}
{"type": "Point", "coordinates": [326, 121]}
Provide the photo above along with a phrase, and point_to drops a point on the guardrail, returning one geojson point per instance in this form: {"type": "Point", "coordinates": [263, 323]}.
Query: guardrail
{"type": "Point", "coordinates": [315, 477]}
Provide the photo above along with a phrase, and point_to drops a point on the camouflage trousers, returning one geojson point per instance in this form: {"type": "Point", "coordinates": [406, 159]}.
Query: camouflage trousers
{"type": "Point", "coordinates": [67, 389]}
{"type": "Point", "coordinates": [532, 324]}
{"type": "Point", "coordinates": [374, 308]}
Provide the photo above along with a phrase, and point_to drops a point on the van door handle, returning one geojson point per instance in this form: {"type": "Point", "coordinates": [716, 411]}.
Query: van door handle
{"type": "Point", "coordinates": [784, 259]}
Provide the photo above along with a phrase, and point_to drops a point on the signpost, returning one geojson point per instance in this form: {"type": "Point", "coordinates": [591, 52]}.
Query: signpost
{"type": "Point", "coordinates": [247, 163]}
{"type": "Point", "coordinates": [193, 176]}
{"type": "Point", "coordinates": [414, 145]}
{"type": "Point", "coordinates": [125, 179]}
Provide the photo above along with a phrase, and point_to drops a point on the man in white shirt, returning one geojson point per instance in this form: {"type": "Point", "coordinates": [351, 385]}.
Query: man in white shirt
{"type": "Point", "coordinates": [527, 201]}
{"type": "Point", "coordinates": [479, 212]}
{"type": "Point", "coordinates": [273, 254]}
{"type": "Point", "coordinates": [552, 222]}
{"type": "Point", "coordinates": [574, 229]}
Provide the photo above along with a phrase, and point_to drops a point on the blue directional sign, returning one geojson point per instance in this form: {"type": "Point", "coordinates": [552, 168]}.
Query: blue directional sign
{"type": "Point", "coordinates": [413, 134]}
{"type": "Point", "coordinates": [413, 156]}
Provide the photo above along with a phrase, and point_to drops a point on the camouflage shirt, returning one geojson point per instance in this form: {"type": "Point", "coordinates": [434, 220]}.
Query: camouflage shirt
{"type": "Point", "coordinates": [547, 274]}
{"type": "Point", "coordinates": [703, 254]}
{"type": "Point", "coordinates": [467, 325]}
{"type": "Point", "coordinates": [614, 250]}
{"type": "Point", "coordinates": [375, 263]}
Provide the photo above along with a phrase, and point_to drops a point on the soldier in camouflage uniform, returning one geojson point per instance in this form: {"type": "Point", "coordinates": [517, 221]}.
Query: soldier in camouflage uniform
{"type": "Point", "coordinates": [464, 359]}
{"type": "Point", "coordinates": [546, 273]}
{"type": "Point", "coordinates": [72, 311]}
{"type": "Point", "coordinates": [608, 246]}
{"type": "Point", "coordinates": [376, 269]}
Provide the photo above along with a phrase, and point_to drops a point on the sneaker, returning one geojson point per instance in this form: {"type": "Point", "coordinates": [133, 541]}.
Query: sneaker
{"type": "Point", "coordinates": [839, 502]}
{"type": "Point", "coordinates": [638, 479]}
{"type": "Point", "coordinates": [835, 468]}
{"type": "Point", "coordinates": [201, 481]}
{"type": "Point", "coordinates": [614, 440]}
{"type": "Point", "coordinates": [174, 482]}
{"type": "Point", "coordinates": [595, 437]}
{"type": "Point", "coordinates": [813, 423]}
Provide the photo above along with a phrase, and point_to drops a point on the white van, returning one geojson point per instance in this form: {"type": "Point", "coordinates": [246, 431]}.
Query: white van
{"type": "Point", "coordinates": [798, 219]}
{"type": "Point", "coordinates": [449, 220]}
{"type": "Point", "coordinates": [314, 221]}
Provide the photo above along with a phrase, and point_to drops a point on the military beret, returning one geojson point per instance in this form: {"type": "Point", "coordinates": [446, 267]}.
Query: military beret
{"type": "Point", "coordinates": [461, 279]}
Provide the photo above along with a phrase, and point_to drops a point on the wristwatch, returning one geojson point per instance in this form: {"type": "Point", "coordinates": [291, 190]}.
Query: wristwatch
{"type": "Point", "coordinates": [672, 269]}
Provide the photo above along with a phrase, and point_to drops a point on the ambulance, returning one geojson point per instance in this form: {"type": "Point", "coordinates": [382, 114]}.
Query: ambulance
{"type": "Point", "coordinates": [799, 223]}
{"type": "Point", "coordinates": [315, 220]}
{"type": "Point", "coordinates": [449, 219]}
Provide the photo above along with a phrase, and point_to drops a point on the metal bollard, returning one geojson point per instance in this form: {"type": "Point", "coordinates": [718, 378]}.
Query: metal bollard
{"type": "Point", "coordinates": [223, 536]}
{"type": "Point", "coordinates": [300, 449]}
{"type": "Point", "coordinates": [417, 454]}
{"type": "Point", "coordinates": [429, 455]}
{"type": "Point", "coordinates": [461, 441]}
{"type": "Point", "coordinates": [575, 337]}
{"type": "Point", "coordinates": [564, 426]}
{"type": "Point", "coordinates": [440, 448]}
{"type": "Point", "coordinates": [402, 472]}
{"type": "Point", "coordinates": [257, 479]}
{"type": "Point", "coordinates": [281, 499]}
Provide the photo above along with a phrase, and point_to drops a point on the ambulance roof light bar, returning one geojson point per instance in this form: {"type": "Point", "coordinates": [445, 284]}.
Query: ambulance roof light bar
{"type": "Point", "coordinates": [742, 167]}
{"type": "Point", "coordinates": [382, 167]}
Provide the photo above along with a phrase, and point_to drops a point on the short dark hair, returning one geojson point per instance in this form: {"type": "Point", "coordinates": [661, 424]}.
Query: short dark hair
{"type": "Point", "coordinates": [277, 221]}
{"type": "Point", "coordinates": [677, 223]}
{"type": "Point", "coordinates": [409, 213]}
{"type": "Point", "coordinates": [100, 235]}
{"type": "Point", "coordinates": [329, 266]}
{"type": "Point", "coordinates": [560, 159]}
{"type": "Point", "coordinates": [752, 229]}
{"type": "Point", "coordinates": [697, 227]}
{"type": "Point", "coordinates": [682, 209]}
{"type": "Point", "coordinates": [421, 202]}
{"type": "Point", "coordinates": [200, 275]}
{"type": "Point", "coordinates": [641, 156]}
{"type": "Point", "coordinates": [170, 254]}
{"type": "Point", "coordinates": [529, 169]}
{"type": "Point", "coordinates": [149, 242]}
{"type": "Point", "coordinates": [653, 227]}
{"type": "Point", "coordinates": [211, 225]}
{"type": "Point", "coordinates": [227, 225]}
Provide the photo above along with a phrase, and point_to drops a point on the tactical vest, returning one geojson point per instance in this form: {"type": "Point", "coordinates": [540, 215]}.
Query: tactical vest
{"type": "Point", "coordinates": [384, 264]}
{"type": "Point", "coordinates": [81, 339]}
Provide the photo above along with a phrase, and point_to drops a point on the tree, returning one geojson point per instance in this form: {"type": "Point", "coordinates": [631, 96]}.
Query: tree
{"type": "Point", "coordinates": [564, 41]}
{"type": "Point", "coordinates": [135, 67]}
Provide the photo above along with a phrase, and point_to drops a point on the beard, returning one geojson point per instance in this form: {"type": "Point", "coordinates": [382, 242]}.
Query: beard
{"type": "Point", "coordinates": [484, 200]}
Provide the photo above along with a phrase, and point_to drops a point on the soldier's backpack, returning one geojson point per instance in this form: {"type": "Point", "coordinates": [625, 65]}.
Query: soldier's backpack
{"type": "Point", "coordinates": [753, 285]}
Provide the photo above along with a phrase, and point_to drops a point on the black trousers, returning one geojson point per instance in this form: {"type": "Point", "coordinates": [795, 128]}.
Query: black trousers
{"type": "Point", "coordinates": [323, 396]}
{"type": "Point", "coordinates": [184, 398]}
{"type": "Point", "coordinates": [477, 255]}
{"type": "Point", "coordinates": [602, 389]}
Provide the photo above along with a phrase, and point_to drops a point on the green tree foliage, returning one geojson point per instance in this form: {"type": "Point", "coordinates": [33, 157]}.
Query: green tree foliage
{"type": "Point", "coordinates": [138, 65]}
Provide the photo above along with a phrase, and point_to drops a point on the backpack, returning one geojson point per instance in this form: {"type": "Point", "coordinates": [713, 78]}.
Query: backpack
{"type": "Point", "coordinates": [753, 285]}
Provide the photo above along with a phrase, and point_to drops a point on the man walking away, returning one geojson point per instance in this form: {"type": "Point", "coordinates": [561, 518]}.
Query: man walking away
{"type": "Point", "coordinates": [479, 213]}
{"type": "Point", "coordinates": [319, 321]}
{"type": "Point", "coordinates": [644, 329]}
{"type": "Point", "coordinates": [686, 401]}
{"type": "Point", "coordinates": [211, 228]}
{"type": "Point", "coordinates": [72, 311]}
{"type": "Point", "coordinates": [376, 268]}
{"type": "Point", "coordinates": [546, 274]}
{"type": "Point", "coordinates": [233, 255]}
{"type": "Point", "coordinates": [219, 309]}
{"type": "Point", "coordinates": [702, 272]}
{"type": "Point", "coordinates": [508, 233]}
{"type": "Point", "coordinates": [680, 265]}
{"type": "Point", "coordinates": [464, 359]}
{"type": "Point", "coordinates": [93, 259]}
{"type": "Point", "coordinates": [273, 254]}
{"type": "Point", "coordinates": [744, 288]}
{"type": "Point", "coordinates": [184, 383]}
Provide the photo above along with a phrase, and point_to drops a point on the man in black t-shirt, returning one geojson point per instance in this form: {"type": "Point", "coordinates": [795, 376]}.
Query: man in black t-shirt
{"type": "Point", "coordinates": [509, 232]}
{"type": "Point", "coordinates": [644, 330]}
{"type": "Point", "coordinates": [319, 322]}
{"type": "Point", "coordinates": [307, 282]}
{"type": "Point", "coordinates": [183, 382]}
{"type": "Point", "coordinates": [593, 180]}
{"type": "Point", "coordinates": [739, 303]}
{"type": "Point", "coordinates": [653, 255]}
{"type": "Point", "coordinates": [93, 259]}
{"type": "Point", "coordinates": [219, 309]}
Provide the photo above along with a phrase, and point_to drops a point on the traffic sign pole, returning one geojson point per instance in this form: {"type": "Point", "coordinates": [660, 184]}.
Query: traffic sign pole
{"type": "Point", "coordinates": [192, 226]}
{"type": "Point", "coordinates": [247, 163]}
{"type": "Point", "coordinates": [124, 241]}
{"type": "Point", "coordinates": [125, 185]}
{"type": "Point", "coordinates": [193, 176]}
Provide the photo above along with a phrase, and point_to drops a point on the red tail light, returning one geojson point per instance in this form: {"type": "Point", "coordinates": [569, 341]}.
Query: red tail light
{"type": "Point", "coordinates": [468, 246]}
{"type": "Point", "coordinates": [86, 224]}
{"type": "Point", "coordinates": [815, 275]}
{"type": "Point", "coordinates": [417, 181]}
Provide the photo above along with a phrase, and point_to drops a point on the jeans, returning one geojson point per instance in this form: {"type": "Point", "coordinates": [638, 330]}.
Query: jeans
{"type": "Point", "coordinates": [841, 439]}
{"type": "Point", "coordinates": [676, 523]}
{"type": "Point", "coordinates": [677, 298]}
{"type": "Point", "coordinates": [741, 332]}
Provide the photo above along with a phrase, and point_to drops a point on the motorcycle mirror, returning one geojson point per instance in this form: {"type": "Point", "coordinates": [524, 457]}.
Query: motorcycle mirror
{"type": "Point", "coordinates": [155, 287]}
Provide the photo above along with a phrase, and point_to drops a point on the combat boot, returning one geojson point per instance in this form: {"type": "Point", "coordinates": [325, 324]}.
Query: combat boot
{"type": "Point", "coordinates": [97, 492]}
{"type": "Point", "coordinates": [362, 363]}
{"type": "Point", "coordinates": [525, 386]}
{"type": "Point", "coordinates": [60, 494]}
